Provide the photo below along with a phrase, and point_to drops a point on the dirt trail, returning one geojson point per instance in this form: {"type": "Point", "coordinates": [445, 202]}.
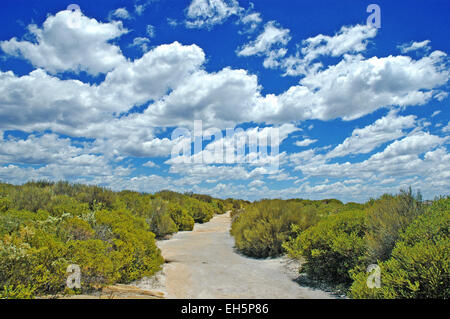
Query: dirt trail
{"type": "Point", "coordinates": [203, 264]}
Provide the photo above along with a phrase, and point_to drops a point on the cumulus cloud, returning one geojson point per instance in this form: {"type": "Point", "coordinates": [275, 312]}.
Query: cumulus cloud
{"type": "Point", "coordinates": [270, 43]}
{"type": "Point", "coordinates": [251, 20]}
{"type": "Point", "coordinates": [207, 13]}
{"type": "Point", "coordinates": [400, 158]}
{"type": "Point", "coordinates": [349, 39]}
{"type": "Point", "coordinates": [366, 139]}
{"type": "Point", "coordinates": [356, 86]}
{"type": "Point", "coordinates": [419, 160]}
{"type": "Point", "coordinates": [220, 99]}
{"type": "Point", "coordinates": [43, 149]}
{"type": "Point", "coordinates": [70, 41]}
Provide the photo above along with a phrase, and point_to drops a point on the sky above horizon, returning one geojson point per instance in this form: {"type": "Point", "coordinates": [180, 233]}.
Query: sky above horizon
{"type": "Point", "coordinates": [92, 91]}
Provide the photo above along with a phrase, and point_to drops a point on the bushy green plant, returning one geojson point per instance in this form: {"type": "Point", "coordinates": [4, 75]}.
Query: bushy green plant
{"type": "Point", "coordinates": [134, 250]}
{"type": "Point", "coordinates": [261, 229]}
{"type": "Point", "coordinates": [386, 219]}
{"type": "Point", "coordinates": [181, 217]}
{"type": "Point", "coordinates": [332, 247]}
{"type": "Point", "coordinates": [420, 265]}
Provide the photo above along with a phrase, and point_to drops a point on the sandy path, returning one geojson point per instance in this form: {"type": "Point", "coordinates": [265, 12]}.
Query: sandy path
{"type": "Point", "coordinates": [203, 264]}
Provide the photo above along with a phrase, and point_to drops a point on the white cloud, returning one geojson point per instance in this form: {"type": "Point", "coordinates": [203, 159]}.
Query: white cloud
{"type": "Point", "coordinates": [272, 38]}
{"type": "Point", "coordinates": [251, 21]}
{"type": "Point", "coordinates": [207, 13]}
{"type": "Point", "coordinates": [356, 86]}
{"type": "Point", "coordinates": [400, 158]}
{"type": "Point", "coordinates": [172, 22]}
{"type": "Point", "coordinates": [141, 42]}
{"type": "Point", "coordinates": [435, 113]}
{"type": "Point", "coordinates": [351, 39]}
{"type": "Point", "coordinates": [221, 99]}
{"type": "Point", "coordinates": [151, 76]}
{"type": "Point", "coordinates": [256, 183]}
{"type": "Point", "coordinates": [365, 140]}
{"type": "Point", "coordinates": [410, 145]}
{"type": "Point", "coordinates": [172, 76]}
{"type": "Point", "coordinates": [150, 31]}
{"type": "Point", "coordinates": [413, 46]}
{"type": "Point", "coordinates": [254, 146]}
{"type": "Point", "coordinates": [140, 8]}
{"type": "Point", "coordinates": [43, 149]}
{"type": "Point", "coordinates": [419, 160]}
{"type": "Point", "coordinates": [51, 158]}
{"type": "Point", "coordinates": [70, 41]}
{"type": "Point", "coordinates": [197, 173]}
{"type": "Point", "coordinates": [171, 86]}
{"type": "Point", "coordinates": [305, 142]}
{"type": "Point", "coordinates": [79, 109]}
{"type": "Point", "coordinates": [46, 102]}
{"type": "Point", "coordinates": [251, 18]}
{"type": "Point", "coordinates": [150, 164]}
{"type": "Point", "coordinates": [121, 13]}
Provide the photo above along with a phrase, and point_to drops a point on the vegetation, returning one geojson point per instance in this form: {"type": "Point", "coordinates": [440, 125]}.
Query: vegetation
{"type": "Point", "coordinates": [261, 228]}
{"type": "Point", "coordinates": [336, 243]}
{"type": "Point", "coordinates": [332, 247]}
{"type": "Point", "coordinates": [45, 227]}
{"type": "Point", "coordinates": [267, 224]}
{"type": "Point", "coordinates": [419, 266]}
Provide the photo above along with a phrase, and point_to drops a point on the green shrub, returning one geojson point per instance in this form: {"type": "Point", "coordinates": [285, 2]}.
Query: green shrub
{"type": "Point", "coordinates": [262, 228]}
{"type": "Point", "coordinates": [332, 247]}
{"type": "Point", "coordinates": [420, 265]}
{"type": "Point", "coordinates": [201, 212]}
{"type": "Point", "coordinates": [386, 219]}
{"type": "Point", "coordinates": [94, 258]}
{"type": "Point", "coordinates": [181, 217]}
{"type": "Point", "coordinates": [134, 252]}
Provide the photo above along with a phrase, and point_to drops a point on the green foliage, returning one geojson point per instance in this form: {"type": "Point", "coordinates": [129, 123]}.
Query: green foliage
{"type": "Point", "coordinates": [386, 219]}
{"type": "Point", "coordinates": [419, 266]}
{"type": "Point", "coordinates": [261, 229]}
{"type": "Point", "coordinates": [27, 197]}
{"type": "Point", "coordinates": [161, 223]}
{"type": "Point", "coordinates": [17, 292]}
{"type": "Point", "coordinates": [332, 247]}
{"type": "Point", "coordinates": [134, 250]}
{"type": "Point", "coordinates": [181, 217]}
{"type": "Point", "coordinates": [46, 226]}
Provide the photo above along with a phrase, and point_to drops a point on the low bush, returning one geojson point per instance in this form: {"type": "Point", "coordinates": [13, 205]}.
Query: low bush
{"type": "Point", "coordinates": [261, 229]}
{"type": "Point", "coordinates": [331, 248]}
{"type": "Point", "coordinates": [419, 266]}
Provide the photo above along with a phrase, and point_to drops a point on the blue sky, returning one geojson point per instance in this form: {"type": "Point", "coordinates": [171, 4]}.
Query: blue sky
{"type": "Point", "coordinates": [94, 95]}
